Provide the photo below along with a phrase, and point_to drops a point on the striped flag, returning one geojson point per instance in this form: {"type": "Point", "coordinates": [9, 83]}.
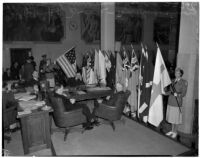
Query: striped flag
{"type": "Point", "coordinates": [146, 77]}
{"type": "Point", "coordinates": [102, 68]}
{"type": "Point", "coordinates": [161, 80]}
{"type": "Point", "coordinates": [96, 64]}
{"type": "Point", "coordinates": [134, 61]}
{"type": "Point", "coordinates": [67, 62]}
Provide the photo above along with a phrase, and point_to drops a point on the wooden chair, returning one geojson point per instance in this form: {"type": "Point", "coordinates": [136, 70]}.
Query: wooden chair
{"type": "Point", "coordinates": [112, 113]}
{"type": "Point", "coordinates": [65, 119]}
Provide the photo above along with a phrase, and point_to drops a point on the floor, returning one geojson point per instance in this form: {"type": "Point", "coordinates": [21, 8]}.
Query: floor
{"type": "Point", "coordinates": [102, 137]}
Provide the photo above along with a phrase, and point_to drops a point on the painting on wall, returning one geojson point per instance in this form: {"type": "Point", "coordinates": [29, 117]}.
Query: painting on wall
{"type": "Point", "coordinates": [161, 31]}
{"type": "Point", "coordinates": [32, 22]}
{"type": "Point", "coordinates": [129, 29]}
{"type": "Point", "coordinates": [90, 26]}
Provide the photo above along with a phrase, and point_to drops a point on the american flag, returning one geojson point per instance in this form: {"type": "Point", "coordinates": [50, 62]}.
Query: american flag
{"type": "Point", "coordinates": [67, 62]}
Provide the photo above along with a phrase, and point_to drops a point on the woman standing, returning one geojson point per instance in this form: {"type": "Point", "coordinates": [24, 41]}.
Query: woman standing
{"type": "Point", "coordinates": [177, 91]}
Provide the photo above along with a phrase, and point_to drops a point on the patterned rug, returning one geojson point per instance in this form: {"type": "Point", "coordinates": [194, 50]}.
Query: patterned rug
{"type": "Point", "coordinates": [130, 138]}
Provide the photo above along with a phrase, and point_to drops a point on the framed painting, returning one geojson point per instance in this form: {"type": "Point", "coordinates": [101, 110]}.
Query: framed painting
{"type": "Point", "coordinates": [32, 22]}
{"type": "Point", "coordinates": [161, 32]}
{"type": "Point", "coordinates": [129, 29]}
{"type": "Point", "coordinates": [90, 26]}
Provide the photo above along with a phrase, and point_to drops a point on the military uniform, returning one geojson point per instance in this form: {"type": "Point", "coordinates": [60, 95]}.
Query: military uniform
{"type": "Point", "coordinates": [174, 115]}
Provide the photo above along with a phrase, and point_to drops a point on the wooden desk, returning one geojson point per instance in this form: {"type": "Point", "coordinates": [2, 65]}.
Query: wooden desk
{"type": "Point", "coordinates": [35, 131]}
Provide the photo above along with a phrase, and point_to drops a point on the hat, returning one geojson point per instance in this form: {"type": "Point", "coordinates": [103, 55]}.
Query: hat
{"type": "Point", "coordinates": [44, 55]}
{"type": "Point", "coordinates": [180, 70]}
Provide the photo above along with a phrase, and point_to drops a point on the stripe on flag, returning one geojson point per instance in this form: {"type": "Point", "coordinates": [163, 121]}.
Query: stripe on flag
{"type": "Point", "coordinates": [161, 80]}
{"type": "Point", "coordinates": [67, 62]}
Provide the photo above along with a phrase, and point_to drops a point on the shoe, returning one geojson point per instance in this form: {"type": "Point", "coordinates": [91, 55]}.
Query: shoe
{"type": "Point", "coordinates": [95, 123]}
{"type": "Point", "coordinates": [88, 127]}
{"type": "Point", "coordinates": [169, 133]}
{"type": "Point", "coordinates": [174, 135]}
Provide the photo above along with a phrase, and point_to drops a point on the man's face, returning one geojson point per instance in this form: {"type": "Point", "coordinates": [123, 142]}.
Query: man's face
{"type": "Point", "coordinates": [119, 87]}
{"type": "Point", "coordinates": [35, 75]}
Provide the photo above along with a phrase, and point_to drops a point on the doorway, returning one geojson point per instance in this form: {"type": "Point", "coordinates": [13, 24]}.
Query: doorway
{"type": "Point", "coordinates": [19, 55]}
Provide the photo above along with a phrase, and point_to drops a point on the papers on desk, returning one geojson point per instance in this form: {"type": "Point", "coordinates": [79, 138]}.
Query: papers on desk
{"type": "Point", "coordinates": [80, 92]}
{"type": "Point", "coordinates": [30, 105]}
{"type": "Point", "coordinates": [24, 96]}
{"type": "Point", "coordinates": [98, 89]}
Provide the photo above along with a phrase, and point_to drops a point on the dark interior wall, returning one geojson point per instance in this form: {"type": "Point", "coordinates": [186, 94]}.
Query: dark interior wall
{"type": "Point", "coordinates": [54, 49]}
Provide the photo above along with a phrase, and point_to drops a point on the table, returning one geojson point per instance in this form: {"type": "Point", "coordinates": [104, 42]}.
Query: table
{"type": "Point", "coordinates": [89, 95]}
{"type": "Point", "coordinates": [35, 131]}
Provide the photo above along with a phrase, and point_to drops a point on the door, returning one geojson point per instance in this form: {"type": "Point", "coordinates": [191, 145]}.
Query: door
{"type": "Point", "coordinates": [19, 55]}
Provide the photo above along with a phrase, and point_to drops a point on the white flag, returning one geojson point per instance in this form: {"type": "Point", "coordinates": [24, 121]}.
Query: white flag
{"type": "Point", "coordinates": [161, 80]}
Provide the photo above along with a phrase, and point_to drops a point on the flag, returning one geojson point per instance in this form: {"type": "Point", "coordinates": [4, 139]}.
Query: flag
{"type": "Point", "coordinates": [118, 68]}
{"type": "Point", "coordinates": [161, 80]}
{"type": "Point", "coordinates": [146, 77]}
{"type": "Point", "coordinates": [102, 68]}
{"type": "Point", "coordinates": [67, 62]}
{"type": "Point", "coordinates": [134, 61]}
{"type": "Point", "coordinates": [107, 62]}
{"type": "Point", "coordinates": [96, 65]}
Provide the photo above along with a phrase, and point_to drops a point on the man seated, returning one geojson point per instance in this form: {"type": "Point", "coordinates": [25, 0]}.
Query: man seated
{"type": "Point", "coordinates": [71, 105]}
{"type": "Point", "coordinates": [110, 100]}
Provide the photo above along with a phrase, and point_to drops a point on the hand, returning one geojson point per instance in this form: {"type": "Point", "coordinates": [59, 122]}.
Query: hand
{"type": "Point", "coordinates": [99, 100]}
{"type": "Point", "coordinates": [72, 101]}
{"type": "Point", "coordinates": [108, 97]}
{"type": "Point", "coordinates": [175, 94]}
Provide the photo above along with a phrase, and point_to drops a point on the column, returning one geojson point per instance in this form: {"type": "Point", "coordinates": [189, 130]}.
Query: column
{"type": "Point", "coordinates": [108, 26]}
{"type": "Point", "coordinates": [188, 60]}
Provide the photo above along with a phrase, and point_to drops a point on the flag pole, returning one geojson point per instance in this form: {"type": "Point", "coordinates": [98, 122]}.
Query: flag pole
{"type": "Point", "coordinates": [139, 91]}
{"type": "Point", "coordinates": [173, 88]}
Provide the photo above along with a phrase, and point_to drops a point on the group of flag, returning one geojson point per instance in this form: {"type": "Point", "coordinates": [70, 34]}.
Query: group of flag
{"type": "Point", "coordinates": [153, 77]}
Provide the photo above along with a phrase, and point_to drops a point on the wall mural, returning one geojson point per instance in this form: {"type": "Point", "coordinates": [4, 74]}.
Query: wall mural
{"type": "Point", "coordinates": [161, 30]}
{"type": "Point", "coordinates": [90, 26]}
{"type": "Point", "coordinates": [32, 22]}
{"type": "Point", "coordinates": [129, 29]}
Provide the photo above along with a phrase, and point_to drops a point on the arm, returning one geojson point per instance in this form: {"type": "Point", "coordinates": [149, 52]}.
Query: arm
{"type": "Point", "coordinates": [184, 89]}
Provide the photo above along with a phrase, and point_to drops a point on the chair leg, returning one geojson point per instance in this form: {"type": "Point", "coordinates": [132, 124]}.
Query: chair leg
{"type": "Point", "coordinates": [8, 138]}
{"type": "Point", "coordinates": [112, 125]}
{"type": "Point", "coordinates": [66, 133]}
{"type": "Point", "coordinates": [123, 121]}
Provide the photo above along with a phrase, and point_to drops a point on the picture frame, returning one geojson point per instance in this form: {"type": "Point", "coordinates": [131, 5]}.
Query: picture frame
{"type": "Point", "coordinates": [90, 26]}
{"type": "Point", "coordinates": [32, 22]}
{"type": "Point", "coordinates": [161, 31]}
{"type": "Point", "coordinates": [129, 29]}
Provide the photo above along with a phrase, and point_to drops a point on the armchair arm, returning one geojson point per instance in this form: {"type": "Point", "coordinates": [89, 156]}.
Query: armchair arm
{"type": "Point", "coordinates": [10, 108]}
{"type": "Point", "coordinates": [69, 118]}
{"type": "Point", "coordinates": [108, 112]}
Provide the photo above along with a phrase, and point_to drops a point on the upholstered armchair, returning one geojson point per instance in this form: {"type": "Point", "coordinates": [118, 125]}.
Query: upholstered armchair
{"type": "Point", "coordinates": [9, 117]}
{"type": "Point", "coordinates": [65, 119]}
{"type": "Point", "coordinates": [112, 113]}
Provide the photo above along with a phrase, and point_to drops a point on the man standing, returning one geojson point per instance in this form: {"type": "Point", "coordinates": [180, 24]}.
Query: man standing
{"type": "Point", "coordinates": [28, 70]}
{"type": "Point", "coordinates": [42, 66]}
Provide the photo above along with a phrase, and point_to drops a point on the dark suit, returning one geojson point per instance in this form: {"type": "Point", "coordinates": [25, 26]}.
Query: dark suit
{"type": "Point", "coordinates": [114, 100]}
{"type": "Point", "coordinates": [28, 71]}
{"type": "Point", "coordinates": [69, 106]}
{"type": "Point", "coordinates": [181, 89]}
{"type": "Point", "coordinates": [72, 82]}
